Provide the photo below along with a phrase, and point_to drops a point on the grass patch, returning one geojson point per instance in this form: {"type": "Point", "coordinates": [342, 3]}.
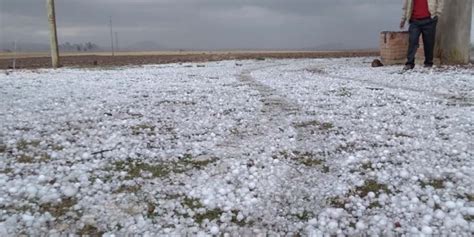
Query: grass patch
{"type": "Point", "coordinates": [137, 115]}
{"type": "Point", "coordinates": [199, 164]}
{"type": "Point", "coordinates": [304, 216]}
{"type": "Point", "coordinates": [135, 168]}
{"type": "Point", "coordinates": [143, 129]}
{"type": "Point", "coordinates": [469, 218]}
{"type": "Point", "coordinates": [235, 220]}
{"type": "Point", "coordinates": [25, 159]}
{"type": "Point", "coordinates": [437, 206]}
{"type": "Point", "coordinates": [337, 202]}
{"type": "Point", "coordinates": [6, 171]}
{"type": "Point", "coordinates": [3, 148]}
{"type": "Point", "coordinates": [372, 186]}
{"type": "Point", "coordinates": [349, 147]}
{"type": "Point", "coordinates": [307, 159]}
{"type": "Point", "coordinates": [363, 191]}
{"type": "Point", "coordinates": [367, 166]}
{"type": "Point", "coordinates": [315, 123]}
{"type": "Point", "coordinates": [312, 123]}
{"type": "Point", "coordinates": [311, 162]}
{"type": "Point", "coordinates": [176, 102]}
{"type": "Point", "coordinates": [315, 70]}
{"type": "Point", "coordinates": [44, 158]}
{"type": "Point", "coordinates": [58, 209]}
{"type": "Point", "coordinates": [90, 230]}
{"type": "Point", "coordinates": [24, 129]}
{"type": "Point", "coordinates": [150, 212]}
{"type": "Point", "coordinates": [128, 189]}
{"type": "Point", "coordinates": [189, 159]}
{"type": "Point", "coordinates": [435, 183]}
{"type": "Point", "coordinates": [162, 169]}
{"type": "Point", "coordinates": [260, 59]}
{"type": "Point", "coordinates": [21, 209]}
{"type": "Point", "coordinates": [402, 135]}
{"type": "Point", "coordinates": [374, 205]}
{"type": "Point", "coordinates": [326, 126]}
{"type": "Point", "coordinates": [210, 215]}
{"type": "Point", "coordinates": [352, 225]}
{"type": "Point", "coordinates": [22, 145]}
{"type": "Point", "coordinates": [344, 92]}
{"type": "Point", "coordinates": [195, 205]}
{"type": "Point", "coordinates": [470, 197]}
{"type": "Point", "coordinates": [56, 147]}
{"type": "Point", "coordinates": [192, 203]}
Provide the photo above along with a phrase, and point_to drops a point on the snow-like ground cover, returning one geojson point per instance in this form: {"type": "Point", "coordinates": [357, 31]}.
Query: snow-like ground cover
{"type": "Point", "coordinates": [277, 147]}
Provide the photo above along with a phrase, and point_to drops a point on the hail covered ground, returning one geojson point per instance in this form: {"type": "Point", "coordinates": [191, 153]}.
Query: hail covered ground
{"type": "Point", "coordinates": [278, 147]}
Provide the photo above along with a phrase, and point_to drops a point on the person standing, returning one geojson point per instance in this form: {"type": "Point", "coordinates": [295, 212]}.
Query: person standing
{"type": "Point", "coordinates": [422, 16]}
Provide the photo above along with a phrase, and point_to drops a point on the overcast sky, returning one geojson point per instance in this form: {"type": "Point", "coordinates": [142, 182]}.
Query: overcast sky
{"type": "Point", "coordinates": [206, 24]}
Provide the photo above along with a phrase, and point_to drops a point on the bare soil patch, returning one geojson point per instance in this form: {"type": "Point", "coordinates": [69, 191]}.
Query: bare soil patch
{"type": "Point", "coordinates": [101, 60]}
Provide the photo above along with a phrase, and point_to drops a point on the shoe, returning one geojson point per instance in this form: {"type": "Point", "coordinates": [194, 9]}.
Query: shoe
{"type": "Point", "coordinates": [408, 67]}
{"type": "Point", "coordinates": [428, 66]}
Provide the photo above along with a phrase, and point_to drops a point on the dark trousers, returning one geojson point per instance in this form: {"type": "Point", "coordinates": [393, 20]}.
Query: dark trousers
{"type": "Point", "coordinates": [427, 28]}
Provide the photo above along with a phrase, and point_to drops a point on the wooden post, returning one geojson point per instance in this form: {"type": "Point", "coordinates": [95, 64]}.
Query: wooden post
{"type": "Point", "coordinates": [53, 33]}
{"type": "Point", "coordinates": [454, 32]}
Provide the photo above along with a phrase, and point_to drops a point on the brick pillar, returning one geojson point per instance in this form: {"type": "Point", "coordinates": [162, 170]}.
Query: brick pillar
{"type": "Point", "coordinates": [394, 48]}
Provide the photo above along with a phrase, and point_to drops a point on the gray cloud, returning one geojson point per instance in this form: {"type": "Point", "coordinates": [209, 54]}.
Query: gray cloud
{"type": "Point", "coordinates": [206, 24]}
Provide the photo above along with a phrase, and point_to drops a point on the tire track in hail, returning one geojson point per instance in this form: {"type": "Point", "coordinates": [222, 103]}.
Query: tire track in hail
{"type": "Point", "coordinates": [307, 182]}
{"type": "Point", "coordinates": [453, 99]}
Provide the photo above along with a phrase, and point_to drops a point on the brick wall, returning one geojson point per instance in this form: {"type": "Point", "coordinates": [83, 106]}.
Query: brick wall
{"type": "Point", "coordinates": [394, 47]}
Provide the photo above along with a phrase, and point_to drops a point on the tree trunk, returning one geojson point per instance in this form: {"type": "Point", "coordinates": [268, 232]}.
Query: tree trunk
{"type": "Point", "coordinates": [454, 32]}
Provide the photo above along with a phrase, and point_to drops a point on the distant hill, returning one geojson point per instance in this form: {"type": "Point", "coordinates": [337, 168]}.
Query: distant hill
{"type": "Point", "coordinates": [23, 47]}
{"type": "Point", "coordinates": [337, 47]}
{"type": "Point", "coordinates": [38, 47]}
{"type": "Point", "coordinates": [79, 47]}
{"type": "Point", "coordinates": [144, 46]}
{"type": "Point", "coordinates": [329, 46]}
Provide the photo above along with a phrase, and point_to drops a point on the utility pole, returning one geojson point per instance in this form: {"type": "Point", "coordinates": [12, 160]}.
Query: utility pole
{"type": "Point", "coordinates": [454, 32]}
{"type": "Point", "coordinates": [112, 37]}
{"type": "Point", "coordinates": [116, 42]}
{"type": "Point", "coordinates": [14, 55]}
{"type": "Point", "coordinates": [53, 33]}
